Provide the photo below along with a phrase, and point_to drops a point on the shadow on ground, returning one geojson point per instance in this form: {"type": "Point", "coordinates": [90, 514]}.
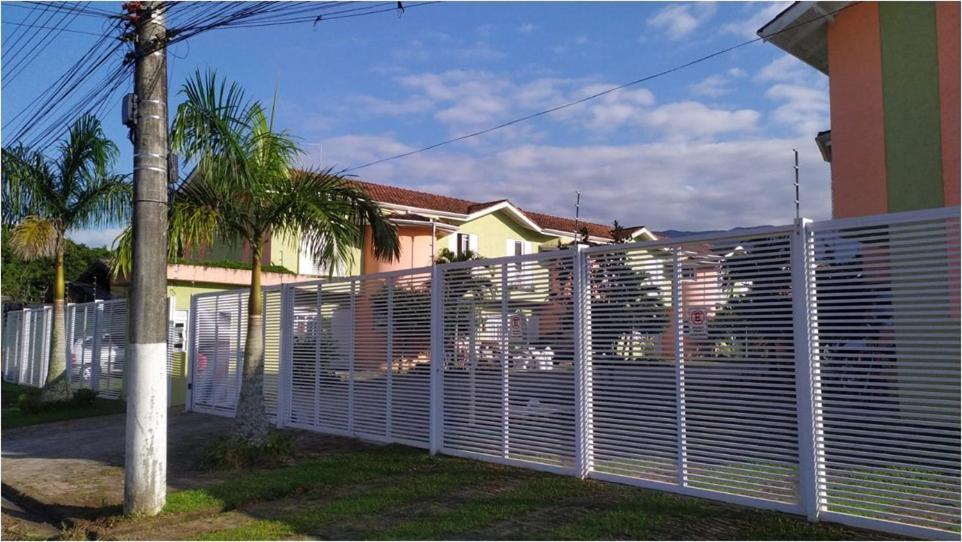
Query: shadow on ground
{"type": "Point", "coordinates": [345, 489]}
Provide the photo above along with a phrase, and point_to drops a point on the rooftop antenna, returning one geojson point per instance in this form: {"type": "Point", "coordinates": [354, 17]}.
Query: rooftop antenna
{"type": "Point", "coordinates": [797, 213]}
{"type": "Point", "coordinates": [577, 213]}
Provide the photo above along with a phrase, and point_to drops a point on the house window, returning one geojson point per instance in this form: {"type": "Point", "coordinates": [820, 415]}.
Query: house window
{"type": "Point", "coordinates": [464, 244]}
{"type": "Point", "coordinates": [518, 275]}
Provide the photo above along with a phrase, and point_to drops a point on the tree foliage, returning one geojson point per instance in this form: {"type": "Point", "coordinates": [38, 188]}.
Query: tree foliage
{"type": "Point", "coordinates": [44, 197]}
{"type": "Point", "coordinates": [30, 281]}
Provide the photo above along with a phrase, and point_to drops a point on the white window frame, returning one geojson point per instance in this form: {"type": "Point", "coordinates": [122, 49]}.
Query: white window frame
{"type": "Point", "coordinates": [514, 280]}
{"type": "Point", "coordinates": [454, 245]}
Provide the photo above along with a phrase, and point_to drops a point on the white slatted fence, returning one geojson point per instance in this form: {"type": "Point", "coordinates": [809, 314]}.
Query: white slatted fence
{"type": "Point", "coordinates": [27, 345]}
{"type": "Point", "coordinates": [811, 368]}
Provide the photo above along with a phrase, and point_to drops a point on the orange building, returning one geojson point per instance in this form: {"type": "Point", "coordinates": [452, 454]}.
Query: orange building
{"type": "Point", "coordinates": [893, 71]}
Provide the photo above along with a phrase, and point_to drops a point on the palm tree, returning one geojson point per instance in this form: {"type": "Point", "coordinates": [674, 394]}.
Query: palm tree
{"type": "Point", "coordinates": [243, 188]}
{"type": "Point", "coordinates": [43, 198]}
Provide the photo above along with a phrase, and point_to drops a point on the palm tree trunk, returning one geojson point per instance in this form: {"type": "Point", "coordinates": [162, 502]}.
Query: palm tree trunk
{"type": "Point", "coordinates": [57, 386]}
{"type": "Point", "coordinates": [251, 421]}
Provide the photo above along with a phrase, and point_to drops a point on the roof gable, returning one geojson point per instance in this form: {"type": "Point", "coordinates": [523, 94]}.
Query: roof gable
{"type": "Point", "coordinates": [425, 201]}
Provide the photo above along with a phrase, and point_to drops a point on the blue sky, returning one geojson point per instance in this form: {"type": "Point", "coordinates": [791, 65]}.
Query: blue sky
{"type": "Point", "coordinates": [706, 147]}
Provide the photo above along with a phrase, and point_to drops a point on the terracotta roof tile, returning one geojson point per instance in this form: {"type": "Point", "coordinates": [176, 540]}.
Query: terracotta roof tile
{"type": "Point", "coordinates": [413, 198]}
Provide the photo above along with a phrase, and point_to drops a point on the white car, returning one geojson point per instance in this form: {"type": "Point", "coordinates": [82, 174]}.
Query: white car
{"type": "Point", "coordinates": [82, 356]}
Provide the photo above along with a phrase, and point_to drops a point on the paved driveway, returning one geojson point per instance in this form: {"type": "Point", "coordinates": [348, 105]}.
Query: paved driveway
{"type": "Point", "coordinates": [75, 468]}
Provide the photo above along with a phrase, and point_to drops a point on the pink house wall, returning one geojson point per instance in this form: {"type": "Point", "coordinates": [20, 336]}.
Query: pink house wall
{"type": "Point", "coordinates": [415, 251]}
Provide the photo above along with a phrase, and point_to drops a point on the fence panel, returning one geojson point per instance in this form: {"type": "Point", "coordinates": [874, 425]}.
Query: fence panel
{"type": "Point", "coordinates": [692, 365]}
{"type": "Point", "coordinates": [361, 357]}
{"type": "Point", "coordinates": [27, 345]}
{"type": "Point", "coordinates": [82, 341]}
{"type": "Point", "coordinates": [634, 415]}
{"type": "Point", "coordinates": [885, 339]}
{"type": "Point", "coordinates": [12, 345]}
{"type": "Point", "coordinates": [508, 343]}
{"type": "Point", "coordinates": [218, 328]}
{"type": "Point", "coordinates": [97, 346]}
{"type": "Point", "coordinates": [272, 347]}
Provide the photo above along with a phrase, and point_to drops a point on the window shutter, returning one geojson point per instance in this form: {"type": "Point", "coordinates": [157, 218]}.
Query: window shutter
{"type": "Point", "coordinates": [509, 247]}
{"type": "Point", "coordinates": [528, 247]}
{"type": "Point", "coordinates": [453, 242]}
{"type": "Point", "coordinates": [473, 243]}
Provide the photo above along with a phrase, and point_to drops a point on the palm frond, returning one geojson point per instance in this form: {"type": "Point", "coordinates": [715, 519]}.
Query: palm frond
{"type": "Point", "coordinates": [331, 214]}
{"type": "Point", "coordinates": [209, 125]}
{"type": "Point", "coordinates": [28, 185]}
{"type": "Point", "coordinates": [104, 200]}
{"type": "Point", "coordinates": [195, 223]}
{"type": "Point", "coordinates": [35, 237]}
{"type": "Point", "coordinates": [85, 154]}
{"type": "Point", "coordinates": [123, 249]}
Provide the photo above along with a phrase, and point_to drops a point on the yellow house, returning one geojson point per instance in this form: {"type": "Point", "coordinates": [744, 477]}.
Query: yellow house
{"type": "Point", "coordinates": [426, 224]}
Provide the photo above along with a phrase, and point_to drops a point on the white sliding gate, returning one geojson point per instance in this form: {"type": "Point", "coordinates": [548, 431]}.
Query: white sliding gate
{"type": "Point", "coordinates": [26, 345]}
{"type": "Point", "coordinates": [218, 330]}
{"type": "Point", "coordinates": [811, 368]}
{"type": "Point", "coordinates": [97, 346]}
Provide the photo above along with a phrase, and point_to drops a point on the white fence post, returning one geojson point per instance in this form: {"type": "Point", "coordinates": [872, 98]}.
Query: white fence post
{"type": "Point", "coordinates": [318, 303]}
{"type": "Point", "coordinates": [69, 332]}
{"type": "Point", "coordinates": [25, 344]}
{"type": "Point", "coordinates": [389, 360]}
{"type": "Point", "coordinates": [350, 359]}
{"type": "Point", "coordinates": [437, 360]}
{"type": "Point", "coordinates": [804, 372]}
{"type": "Point", "coordinates": [679, 319]}
{"type": "Point", "coordinates": [584, 435]}
{"type": "Point", "coordinates": [192, 331]}
{"type": "Point", "coordinates": [505, 359]}
{"type": "Point", "coordinates": [95, 356]}
{"type": "Point", "coordinates": [285, 363]}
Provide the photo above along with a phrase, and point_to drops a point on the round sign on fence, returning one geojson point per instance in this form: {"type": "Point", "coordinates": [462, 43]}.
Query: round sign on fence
{"type": "Point", "coordinates": [698, 320]}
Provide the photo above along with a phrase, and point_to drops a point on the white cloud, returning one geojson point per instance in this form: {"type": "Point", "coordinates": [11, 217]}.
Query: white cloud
{"type": "Point", "coordinates": [705, 185]}
{"type": "Point", "coordinates": [473, 99]}
{"type": "Point", "coordinates": [748, 27]}
{"type": "Point", "coordinates": [803, 108]}
{"type": "Point", "coordinates": [788, 68]}
{"type": "Point", "coordinates": [379, 106]}
{"type": "Point", "coordinates": [479, 51]}
{"type": "Point", "coordinates": [96, 237]}
{"type": "Point", "coordinates": [613, 110]}
{"type": "Point", "coordinates": [412, 50]}
{"type": "Point", "coordinates": [527, 28]}
{"type": "Point", "coordinates": [695, 119]}
{"type": "Point", "coordinates": [712, 86]}
{"type": "Point", "coordinates": [677, 21]}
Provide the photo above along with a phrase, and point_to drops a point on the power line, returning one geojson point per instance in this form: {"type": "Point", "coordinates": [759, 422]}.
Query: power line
{"type": "Point", "coordinates": [66, 6]}
{"type": "Point", "coordinates": [544, 112]}
{"type": "Point", "coordinates": [16, 45]}
{"type": "Point", "coordinates": [12, 72]}
{"type": "Point", "coordinates": [51, 28]}
{"type": "Point", "coordinates": [189, 19]}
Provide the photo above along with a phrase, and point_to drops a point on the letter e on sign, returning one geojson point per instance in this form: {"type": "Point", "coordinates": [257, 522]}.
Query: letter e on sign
{"type": "Point", "coordinates": [698, 322]}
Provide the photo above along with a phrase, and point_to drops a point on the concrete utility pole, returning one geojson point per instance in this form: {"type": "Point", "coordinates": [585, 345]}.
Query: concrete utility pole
{"type": "Point", "coordinates": [145, 464]}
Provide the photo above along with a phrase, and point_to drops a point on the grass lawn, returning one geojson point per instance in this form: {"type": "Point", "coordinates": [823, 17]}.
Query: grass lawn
{"type": "Point", "coordinates": [400, 493]}
{"type": "Point", "coordinates": [11, 417]}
